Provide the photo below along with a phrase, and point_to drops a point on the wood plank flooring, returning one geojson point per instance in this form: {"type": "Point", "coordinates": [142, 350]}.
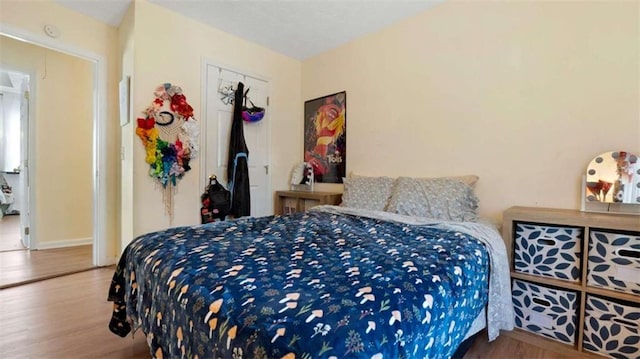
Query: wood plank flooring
{"type": "Point", "coordinates": [10, 233]}
{"type": "Point", "coordinates": [65, 317]}
{"type": "Point", "coordinates": [24, 266]}
{"type": "Point", "coordinates": [507, 347]}
{"type": "Point", "coordinates": [68, 316]}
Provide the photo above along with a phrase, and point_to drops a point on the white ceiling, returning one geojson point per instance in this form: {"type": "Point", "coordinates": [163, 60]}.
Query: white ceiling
{"type": "Point", "coordinates": [296, 28]}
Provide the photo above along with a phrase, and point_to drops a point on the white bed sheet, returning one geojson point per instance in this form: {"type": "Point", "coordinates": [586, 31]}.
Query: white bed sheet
{"type": "Point", "coordinates": [478, 324]}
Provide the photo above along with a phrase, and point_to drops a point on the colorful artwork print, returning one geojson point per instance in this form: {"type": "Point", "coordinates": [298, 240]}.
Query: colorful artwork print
{"type": "Point", "coordinates": [325, 137]}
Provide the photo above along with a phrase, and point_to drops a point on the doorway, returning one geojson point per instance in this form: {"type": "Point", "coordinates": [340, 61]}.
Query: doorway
{"type": "Point", "coordinates": [63, 156]}
{"type": "Point", "coordinates": [13, 119]}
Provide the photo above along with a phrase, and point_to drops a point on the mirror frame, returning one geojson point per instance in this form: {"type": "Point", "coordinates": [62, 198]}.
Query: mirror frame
{"type": "Point", "coordinates": [606, 207]}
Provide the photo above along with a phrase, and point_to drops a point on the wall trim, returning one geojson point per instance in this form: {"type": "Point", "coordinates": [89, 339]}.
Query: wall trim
{"type": "Point", "coordinates": [65, 243]}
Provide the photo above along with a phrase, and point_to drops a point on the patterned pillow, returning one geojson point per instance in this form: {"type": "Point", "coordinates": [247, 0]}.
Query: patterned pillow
{"type": "Point", "coordinates": [471, 180]}
{"type": "Point", "coordinates": [438, 198]}
{"type": "Point", "coordinates": [367, 192]}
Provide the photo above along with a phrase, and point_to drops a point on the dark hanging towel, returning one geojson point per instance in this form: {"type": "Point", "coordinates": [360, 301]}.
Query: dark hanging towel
{"type": "Point", "coordinates": [237, 168]}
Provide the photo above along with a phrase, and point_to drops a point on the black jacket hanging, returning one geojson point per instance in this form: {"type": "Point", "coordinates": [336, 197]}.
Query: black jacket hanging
{"type": "Point", "coordinates": [237, 164]}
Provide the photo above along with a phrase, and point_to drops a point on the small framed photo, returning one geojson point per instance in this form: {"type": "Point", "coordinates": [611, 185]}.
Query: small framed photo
{"type": "Point", "coordinates": [124, 100]}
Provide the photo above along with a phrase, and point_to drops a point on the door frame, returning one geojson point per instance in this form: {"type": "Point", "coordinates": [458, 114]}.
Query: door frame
{"type": "Point", "coordinates": [204, 177]}
{"type": "Point", "coordinates": [25, 149]}
{"type": "Point", "coordinates": [100, 256]}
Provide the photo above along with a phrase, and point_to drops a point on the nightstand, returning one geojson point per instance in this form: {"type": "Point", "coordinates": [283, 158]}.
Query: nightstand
{"type": "Point", "coordinates": [297, 201]}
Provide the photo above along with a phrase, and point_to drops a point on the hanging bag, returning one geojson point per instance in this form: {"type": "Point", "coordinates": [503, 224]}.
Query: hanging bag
{"type": "Point", "coordinates": [253, 113]}
{"type": "Point", "coordinates": [216, 201]}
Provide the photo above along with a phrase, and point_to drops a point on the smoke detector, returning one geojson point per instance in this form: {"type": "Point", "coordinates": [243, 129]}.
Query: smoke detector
{"type": "Point", "coordinates": [51, 31]}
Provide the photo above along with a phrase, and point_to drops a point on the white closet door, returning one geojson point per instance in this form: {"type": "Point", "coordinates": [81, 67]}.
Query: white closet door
{"type": "Point", "coordinates": [217, 129]}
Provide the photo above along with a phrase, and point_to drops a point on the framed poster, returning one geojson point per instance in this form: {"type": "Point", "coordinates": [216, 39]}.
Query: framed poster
{"type": "Point", "coordinates": [325, 137]}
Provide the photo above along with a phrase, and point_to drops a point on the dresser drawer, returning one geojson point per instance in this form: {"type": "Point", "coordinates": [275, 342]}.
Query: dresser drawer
{"type": "Point", "coordinates": [612, 328]}
{"type": "Point", "coordinates": [545, 311]}
{"type": "Point", "coordinates": [546, 250]}
{"type": "Point", "coordinates": [614, 260]}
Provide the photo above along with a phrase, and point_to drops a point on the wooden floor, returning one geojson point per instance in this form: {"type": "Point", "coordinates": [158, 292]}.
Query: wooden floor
{"type": "Point", "coordinates": [10, 233]}
{"type": "Point", "coordinates": [19, 265]}
{"type": "Point", "coordinates": [24, 266]}
{"type": "Point", "coordinates": [68, 316]}
{"type": "Point", "coordinates": [65, 317]}
{"type": "Point", "coordinates": [506, 347]}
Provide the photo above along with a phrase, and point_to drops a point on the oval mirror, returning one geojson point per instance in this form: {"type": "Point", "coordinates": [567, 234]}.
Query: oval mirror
{"type": "Point", "coordinates": [613, 178]}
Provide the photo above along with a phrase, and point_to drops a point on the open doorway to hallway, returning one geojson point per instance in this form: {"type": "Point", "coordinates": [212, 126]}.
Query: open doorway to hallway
{"type": "Point", "coordinates": [13, 119]}
{"type": "Point", "coordinates": [52, 193]}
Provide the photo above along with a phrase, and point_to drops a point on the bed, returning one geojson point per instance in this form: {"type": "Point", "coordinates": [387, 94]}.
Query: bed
{"type": "Point", "coordinates": [332, 282]}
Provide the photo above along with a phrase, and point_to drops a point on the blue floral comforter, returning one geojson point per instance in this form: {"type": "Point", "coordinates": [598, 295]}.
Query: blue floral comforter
{"type": "Point", "coordinates": [307, 285]}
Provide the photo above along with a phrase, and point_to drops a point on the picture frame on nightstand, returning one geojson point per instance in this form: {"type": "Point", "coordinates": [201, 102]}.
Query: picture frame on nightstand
{"type": "Point", "coordinates": [302, 177]}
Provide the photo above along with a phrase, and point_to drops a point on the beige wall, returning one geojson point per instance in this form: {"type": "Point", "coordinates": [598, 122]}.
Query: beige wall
{"type": "Point", "coordinates": [81, 32]}
{"type": "Point", "coordinates": [523, 94]}
{"type": "Point", "coordinates": [63, 139]}
{"type": "Point", "coordinates": [174, 53]}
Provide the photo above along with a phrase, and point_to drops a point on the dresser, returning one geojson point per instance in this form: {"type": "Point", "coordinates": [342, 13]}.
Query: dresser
{"type": "Point", "coordinates": [575, 280]}
{"type": "Point", "coordinates": [297, 201]}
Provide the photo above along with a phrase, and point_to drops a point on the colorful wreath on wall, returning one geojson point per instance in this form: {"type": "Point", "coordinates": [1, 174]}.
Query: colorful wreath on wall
{"type": "Point", "coordinates": [169, 133]}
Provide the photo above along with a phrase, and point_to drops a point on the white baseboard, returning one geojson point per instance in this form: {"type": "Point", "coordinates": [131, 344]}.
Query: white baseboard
{"type": "Point", "coordinates": [65, 243]}
{"type": "Point", "coordinates": [109, 261]}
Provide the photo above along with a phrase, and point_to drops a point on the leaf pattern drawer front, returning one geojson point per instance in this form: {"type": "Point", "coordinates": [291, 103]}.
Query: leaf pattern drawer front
{"type": "Point", "coordinates": [614, 260]}
{"type": "Point", "coordinates": [545, 311]}
{"type": "Point", "coordinates": [548, 251]}
{"type": "Point", "coordinates": [612, 328]}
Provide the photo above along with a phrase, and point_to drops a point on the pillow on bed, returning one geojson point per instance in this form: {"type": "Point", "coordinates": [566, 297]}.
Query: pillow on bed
{"type": "Point", "coordinates": [471, 180]}
{"type": "Point", "coordinates": [367, 192]}
{"type": "Point", "coordinates": [440, 198]}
